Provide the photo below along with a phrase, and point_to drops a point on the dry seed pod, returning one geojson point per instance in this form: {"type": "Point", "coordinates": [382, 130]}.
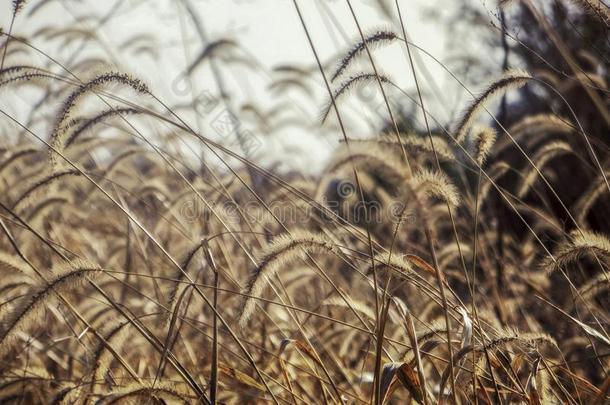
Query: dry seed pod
{"type": "Point", "coordinates": [436, 184]}
{"type": "Point", "coordinates": [60, 133]}
{"type": "Point", "coordinates": [377, 38]}
{"type": "Point", "coordinates": [283, 250]}
{"type": "Point", "coordinates": [483, 139]}
{"type": "Point", "coordinates": [510, 80]}
{"type": "Point", "coordinates": [581, 244]}
{"type": "Point", "coordinates": [359, 79]}
{"type": "Point", "coordinates": [544, 155]}
{"type": "Point", "coordinates": [28, 312]}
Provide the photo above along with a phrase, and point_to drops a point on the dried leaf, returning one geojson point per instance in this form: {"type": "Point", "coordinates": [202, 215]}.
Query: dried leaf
{"type": "Point", "coordinates": [403, 373]}
{"type": "Point", "coordinates": [240, 377]}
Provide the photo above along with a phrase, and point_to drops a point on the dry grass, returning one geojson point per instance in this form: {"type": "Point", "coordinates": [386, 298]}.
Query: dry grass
{"type": "Point", "coordinates": [430, 268]}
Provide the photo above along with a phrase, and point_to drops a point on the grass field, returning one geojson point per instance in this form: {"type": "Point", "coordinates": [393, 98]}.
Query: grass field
{"type": "Point", "coordinates": [145, 259]}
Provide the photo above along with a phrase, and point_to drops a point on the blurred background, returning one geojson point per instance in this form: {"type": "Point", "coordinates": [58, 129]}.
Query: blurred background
{"type": "Point", "coordinates": [252, 42]}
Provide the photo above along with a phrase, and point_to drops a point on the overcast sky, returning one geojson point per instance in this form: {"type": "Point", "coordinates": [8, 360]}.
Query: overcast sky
{"type": "Point", "coordinates": [268, 30]}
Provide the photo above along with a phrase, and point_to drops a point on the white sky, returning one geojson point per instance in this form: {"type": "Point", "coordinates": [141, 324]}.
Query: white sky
{"type": "Point", "coordinates": [268, 29]}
